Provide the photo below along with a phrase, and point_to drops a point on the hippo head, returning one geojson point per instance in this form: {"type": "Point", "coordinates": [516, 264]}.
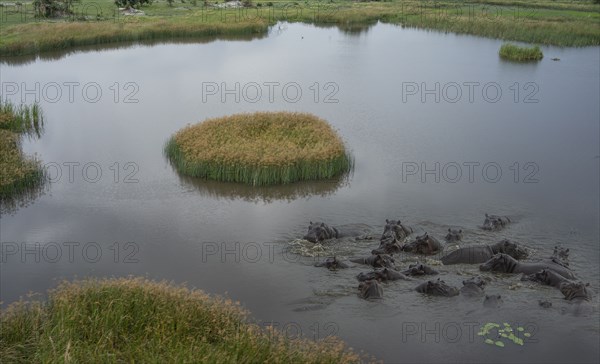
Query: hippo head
{"type": "Point", "coordinates": [418, 269]}
{"type": "Point", "coordinates": [493, 301]}
{"type": "Point", "coordinates": [508, 247]}
{"type": "Point", "coordinates": [560, 253]}
{"type": "Point", "coordinates": [383, 261]}
{"type": "Point", "coordinates": [572, 290]}
{"type": "Point", "coordinates": [437, 288]}
{"type": "Point", "coordinates": [333, 263]}
{"type": "Point", "coordinates": [453, 236]}
{"type": "Point", "coordinates": [370, 289]}
{"type": "Point", "coordinates": [393, 230]}
{"type": "Point", "coordinates": [317, 232]}
{"type": "Point", "coordinates": [499, 263]}
{"type": "Point", "coordinates": [493, 222]}
{"type": "Point", "coordinates": [477, 281]}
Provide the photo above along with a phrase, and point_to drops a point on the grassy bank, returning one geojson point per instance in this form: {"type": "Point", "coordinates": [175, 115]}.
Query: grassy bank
{"type": "Point", "coordinates": [514, 52]}
{"type": "Point", "coordinates": [559, 22]}
{"type": "Point", "coordinates": [18, 173]}
{"type": "Point", "coordinates": [262, 148]}
{"type": "Point", "coordinates": [137, 320]}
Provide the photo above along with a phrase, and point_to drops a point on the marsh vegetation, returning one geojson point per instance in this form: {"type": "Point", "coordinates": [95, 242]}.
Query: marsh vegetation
{"type": "Point", "coordinates": [18, 172]}
{"type": "Point", "coordinates": [517, 53]}
{"type": "Point", "coordinates": [262, 148]}
{"type": "Point", "coordinates": [138, 320]}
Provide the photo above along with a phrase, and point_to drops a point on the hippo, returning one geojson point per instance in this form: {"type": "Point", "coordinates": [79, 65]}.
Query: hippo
{"type": "Point", "coordinates": [376, 261]}
{"type": "Point", "coordinates": [495, 222]}
{"type": "Point", "coordinates": [453, 236]}
{"type": "Point", "coordinates": [370, 289]}
{"type": "Point", "coordinates": [473, 287]}
{"type": "Point", "coordinates": [437, 288]}
{"type": "Point", "coordinates": [332, 264]}
{"type": "Point", "coordinates": [482, 253]}
{"type": "Point", "coordinates": [423, 244]}
{"type": "Point", "coordinates": [545, 276]}
{"type": "Point", "coordinates": [318, 232]}
{"type": "Point", "coordinates": [419, 270]}
{"type": "Point", "coordinates": [560, 256]}
{"type": "Point", "coordinates": [382, 275]}
{"type": "Point", "coordinates": [493, 301]}
{"type": "Point", "coordinates": [388, 248]}
{"type": "Point", "coordinates": [504, 263]}
{"type": "Point", "coordinates": [575, 291]}
{"type": "Point", "coordinates": [394, 234]}
{"type": "Point", "coordinates": [578, 296]}
{"type": "Point", "coordinates": [394, 230]}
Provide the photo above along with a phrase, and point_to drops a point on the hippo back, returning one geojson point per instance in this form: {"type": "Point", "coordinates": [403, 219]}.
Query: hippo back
{"type": "Point", "coordinates": [468, 255]}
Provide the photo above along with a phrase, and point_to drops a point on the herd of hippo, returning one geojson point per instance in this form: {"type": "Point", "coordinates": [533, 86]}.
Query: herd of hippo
{"type": "Point", "coordinates": [503, 257]}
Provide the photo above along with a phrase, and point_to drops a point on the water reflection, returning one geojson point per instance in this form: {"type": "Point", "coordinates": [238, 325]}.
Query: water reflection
{"type": "Point", "coordinates": [265, 194]}
{"type": "Point", "coordinates": [59, 54]}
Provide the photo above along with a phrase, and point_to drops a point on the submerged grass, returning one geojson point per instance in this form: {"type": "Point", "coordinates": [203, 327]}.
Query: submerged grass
{"type": "Point", "coordinates": [138, 320]}
{"type": "Point", "coordinates": [18, 172]}
{"type": "Point", "coordinates": [262, 148]}
{"type": "Point", "coordinates": [514, 52]}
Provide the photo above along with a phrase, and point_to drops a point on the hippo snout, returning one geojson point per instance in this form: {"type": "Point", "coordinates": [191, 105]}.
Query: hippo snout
{"type": "Point", "coordinates": [483, 267]}
{"type": "Point", "coordinates": [311, 238]}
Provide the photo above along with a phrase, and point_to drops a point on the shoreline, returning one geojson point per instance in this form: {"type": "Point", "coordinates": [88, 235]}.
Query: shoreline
{"type": "Point", "coordinates": [544, 23]}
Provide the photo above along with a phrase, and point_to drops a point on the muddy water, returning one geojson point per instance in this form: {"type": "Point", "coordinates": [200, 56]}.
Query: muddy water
{"type": "Point", "coordinates": [514, 139]}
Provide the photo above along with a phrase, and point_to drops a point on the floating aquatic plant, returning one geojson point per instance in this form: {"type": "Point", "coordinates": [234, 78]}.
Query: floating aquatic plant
{"type": "Point", "coordinates": [493, 334]}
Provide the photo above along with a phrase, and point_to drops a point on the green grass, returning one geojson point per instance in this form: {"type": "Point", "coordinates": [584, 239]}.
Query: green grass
{"type": "Point", "coordinates": [138, 320]}
{"type": "Point", "coordinates": [514, 52]}
{"type": "Point", "coordinates": [19, 174]}
{"type": "Point", "coordinates": [258, 149]}
{"type": "Point", "coordinates": [550, 22]}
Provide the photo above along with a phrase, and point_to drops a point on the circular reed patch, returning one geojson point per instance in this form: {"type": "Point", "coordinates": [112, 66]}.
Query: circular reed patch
{"type": "Point", "coordinates": [262, 148]}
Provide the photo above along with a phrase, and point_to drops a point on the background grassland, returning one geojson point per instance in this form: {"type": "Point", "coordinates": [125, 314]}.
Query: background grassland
{"type": "Point", "coordinates": [138, 320]}
{"type": "Point", "coordinates": [559, 22]}
{"type": "Point", "coordinates": [262, 148]}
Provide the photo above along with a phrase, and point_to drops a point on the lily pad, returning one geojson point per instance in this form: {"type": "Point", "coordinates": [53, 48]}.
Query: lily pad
{"type": "Point", "coordinates": [499, 343]}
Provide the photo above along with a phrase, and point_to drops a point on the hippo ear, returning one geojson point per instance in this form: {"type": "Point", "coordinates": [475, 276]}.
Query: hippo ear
{"type": "Point", "coordinates": [460, 231]}
{"type": "Point", "coordinates": [566, 251]}
{"type": "Point", "coordinates": [387, 221]}
{"type": "Point", "coordinates": [449, 230]}
{"type": "Point", "coordinates": [486, 215]}
{"type": "Point", "coordinates": [487, 297]}
{"type": "Point", "coordinates": [322, 224]}
{"type": "Point", "coordinates": [499, 297]}
{"type": "Point", "coordinates": [311, 222]}
{"type": "Point", "coordinates": [398, 222]}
